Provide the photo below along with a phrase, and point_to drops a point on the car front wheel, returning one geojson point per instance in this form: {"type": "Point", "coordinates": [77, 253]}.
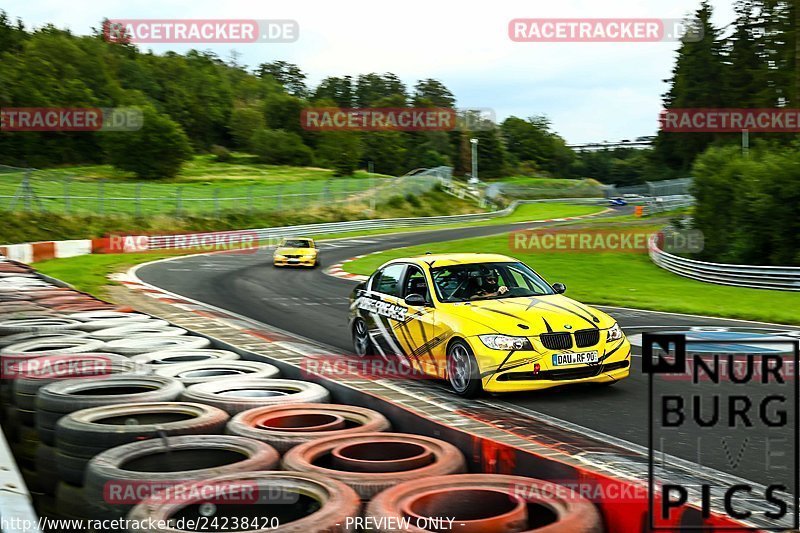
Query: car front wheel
{"type": "Point", "coordinates": [462, 370]}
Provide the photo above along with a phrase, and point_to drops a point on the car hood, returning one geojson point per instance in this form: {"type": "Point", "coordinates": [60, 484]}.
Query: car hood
{"type": "Point", "coordinates": [531, 316]}
{"type": "Point", "coordinates": [296, 251]}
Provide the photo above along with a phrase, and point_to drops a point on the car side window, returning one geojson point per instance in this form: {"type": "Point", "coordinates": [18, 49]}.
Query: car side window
{"type": "Point", "coordinates": [416, 284]}
{"type": "Point", "coordinates": [388, 280]}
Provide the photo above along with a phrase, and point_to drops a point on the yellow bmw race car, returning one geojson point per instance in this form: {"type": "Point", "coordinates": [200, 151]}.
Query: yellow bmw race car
{"type": "Point", "coordinates": [296, 252]}
{"type": "Point", "coordinates": [484, 322]}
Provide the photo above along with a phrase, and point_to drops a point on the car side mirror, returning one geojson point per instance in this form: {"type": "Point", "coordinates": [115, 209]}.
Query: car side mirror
{"type": "Point", "coordinates": [415, 300]}
{"type": "Point", "coordinates": [560, 288]}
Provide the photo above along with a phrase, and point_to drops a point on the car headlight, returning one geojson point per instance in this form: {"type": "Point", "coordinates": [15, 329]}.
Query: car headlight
{"type": "Point", "coordinates": [278, 256]}
{"type": "Point", "coordinates": [614, 333]}
{"type": "Point", "coordinates": [506, 342]}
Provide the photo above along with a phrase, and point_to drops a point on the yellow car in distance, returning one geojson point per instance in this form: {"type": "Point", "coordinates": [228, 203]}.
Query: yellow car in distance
{"type": "Point", "coordinates": [484, 322]}
{"type": "Point", "coordinates": [296, 251]}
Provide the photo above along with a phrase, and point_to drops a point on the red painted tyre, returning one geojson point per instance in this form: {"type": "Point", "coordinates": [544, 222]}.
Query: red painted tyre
{"type": "Point", "coordinates": [305, 503]}
{"type": "Point", "coordinates": [490, 503]}
{"type": "Point", "coordinates": [286, 426]}
{"type": "Point", "coordinates": [372, 462]}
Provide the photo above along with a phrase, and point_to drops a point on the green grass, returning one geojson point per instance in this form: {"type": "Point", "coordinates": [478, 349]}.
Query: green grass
{"type": "Point", "coordinates": [242, 184]}
{"type": "Point", "coordinates": [622, 279]}
{"type": "Point", "coordinates": [89, 273]}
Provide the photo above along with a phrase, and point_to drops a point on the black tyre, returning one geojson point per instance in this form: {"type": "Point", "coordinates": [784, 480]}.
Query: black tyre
{"type": "Point", "coordinates": [114, 425]}
{"type": "Point", "coordinates": [60, 398]}
{"type": "Point", "coordinates": [462, 370]}
{"type": "Point", "coordinates": [171, 460]}
{"type": "Point", "coordinates": [362, 344]}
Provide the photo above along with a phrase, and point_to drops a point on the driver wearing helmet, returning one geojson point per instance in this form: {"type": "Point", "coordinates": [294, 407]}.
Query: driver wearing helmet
{"type": "Point", "coordinates": [489, 287]}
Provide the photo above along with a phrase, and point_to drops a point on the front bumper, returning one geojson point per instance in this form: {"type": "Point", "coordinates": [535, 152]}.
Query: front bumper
{"type": "Point", "coordinates": [518, 373]}
{"type": "Point", "coordinates": [308, 261]}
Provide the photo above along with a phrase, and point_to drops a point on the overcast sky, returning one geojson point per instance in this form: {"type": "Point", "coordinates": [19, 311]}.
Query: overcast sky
{"type": "Point", "coordinates": [590, 91]}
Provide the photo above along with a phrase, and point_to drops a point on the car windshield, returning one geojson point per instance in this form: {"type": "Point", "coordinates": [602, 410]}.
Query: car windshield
{"type": "Point", "coordinates": [481, 281]}
{"type": "Point", "coordinates": [296, 243]}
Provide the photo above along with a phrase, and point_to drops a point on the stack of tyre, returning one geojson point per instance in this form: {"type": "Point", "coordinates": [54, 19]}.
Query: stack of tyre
{"type": "Point", "coordinates": [116, 414]}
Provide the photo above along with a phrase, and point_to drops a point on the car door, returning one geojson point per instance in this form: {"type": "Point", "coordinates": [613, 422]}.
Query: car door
{"type": "Point", "coordinates": [423, 335]}
{"type": "Point", "coordinates": [383, 310]}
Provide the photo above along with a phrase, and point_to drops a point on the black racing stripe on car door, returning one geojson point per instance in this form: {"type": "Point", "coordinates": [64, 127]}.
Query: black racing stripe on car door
{"type": "Point", "coordinates": [390, 330]}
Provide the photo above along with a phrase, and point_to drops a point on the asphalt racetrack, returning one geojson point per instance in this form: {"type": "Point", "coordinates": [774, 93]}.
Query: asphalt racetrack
{"type": "Point", "coordinates": [313, 305]}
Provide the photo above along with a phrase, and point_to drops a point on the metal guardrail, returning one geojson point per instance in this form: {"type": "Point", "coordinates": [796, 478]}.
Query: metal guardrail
{"type": "Point", "coordinates": [159, 242]}
{"type": "Point", "coordinates": [757, 277]}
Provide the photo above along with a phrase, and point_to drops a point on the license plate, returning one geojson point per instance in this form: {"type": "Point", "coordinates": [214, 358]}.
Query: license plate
{"type": "Point", "coordinates": [570, 358]}
{"type": "Point", "coordinates": [294, 261]}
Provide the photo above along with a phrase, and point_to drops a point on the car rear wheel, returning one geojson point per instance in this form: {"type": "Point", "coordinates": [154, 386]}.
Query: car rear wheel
{"type": "Point", "coordinates": [361, 341]}
{"type": "Point", "coordinates": [462, 370]}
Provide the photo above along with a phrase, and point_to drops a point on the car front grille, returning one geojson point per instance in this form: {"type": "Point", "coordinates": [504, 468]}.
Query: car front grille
{"type": "Point", "coordinates": [587, 337]}
{"type": "Point", "coordinates": [556, 341]}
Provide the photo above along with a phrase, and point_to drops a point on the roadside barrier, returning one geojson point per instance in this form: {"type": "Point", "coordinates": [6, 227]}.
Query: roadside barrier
{"type": "Point", "coordinates": [757, 277]}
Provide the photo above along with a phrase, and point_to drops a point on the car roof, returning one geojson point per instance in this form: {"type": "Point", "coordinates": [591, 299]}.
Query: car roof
{"type": "Point", "coordinates": [298, 239]}
{"type": "Point", "coordinates": [439, 260]}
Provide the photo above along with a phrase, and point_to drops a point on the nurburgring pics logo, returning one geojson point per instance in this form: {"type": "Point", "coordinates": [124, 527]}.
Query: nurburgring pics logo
{"type": "Point", "coordinates": [200, 31]}
{"type": "Point", "coordinates": [70, 119]}
{"type": "Point", "coordinates": [396, 119]}
{"type": "Point", "coordinates": [742, 427]}
{"type": "Point", "coordinates": [603, 30]}
{"type": "Point", "coordinates": [730, 120]}
{"type": "Point", "coordinates": [592, 241]}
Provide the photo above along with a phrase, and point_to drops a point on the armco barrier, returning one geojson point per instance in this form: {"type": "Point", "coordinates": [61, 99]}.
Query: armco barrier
{"type": "Point", "coordinates": [758, 277]}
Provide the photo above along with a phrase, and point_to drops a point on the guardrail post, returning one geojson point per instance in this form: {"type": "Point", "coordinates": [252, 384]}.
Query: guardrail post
{"type": "Point", "coordinates": [179, 201]}
{"type": "Point", "coordinates": [101, 193]}
{"type": "Point", "coordinates": [138, 200]}
{"type": "Point", "coordinates": [67, 202]}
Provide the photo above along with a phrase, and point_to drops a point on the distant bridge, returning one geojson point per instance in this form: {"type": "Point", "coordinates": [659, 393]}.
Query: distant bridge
{"type": "Point", "coordinates": [639, 143]}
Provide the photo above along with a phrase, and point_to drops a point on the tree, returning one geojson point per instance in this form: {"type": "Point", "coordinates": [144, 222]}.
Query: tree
{"type": "Point", "coordinates": [433, 93]}
{"type": "Point", "coordinates": [288, 75]}
{"type": "Point", "coordinates": [340, 90]}
{"type": "Point", "coordinates": [697, 82]}
{"type": "Point", "coordinates": [279, 147]}
{"type": "Point", "coordinates": [244, 122]}
{"type": "Point", "coordinates": [156, 151]}
{"type": "Point", "coordinates": [339, 150]}
{"type": "Point", "coordinates": [371, 88]}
